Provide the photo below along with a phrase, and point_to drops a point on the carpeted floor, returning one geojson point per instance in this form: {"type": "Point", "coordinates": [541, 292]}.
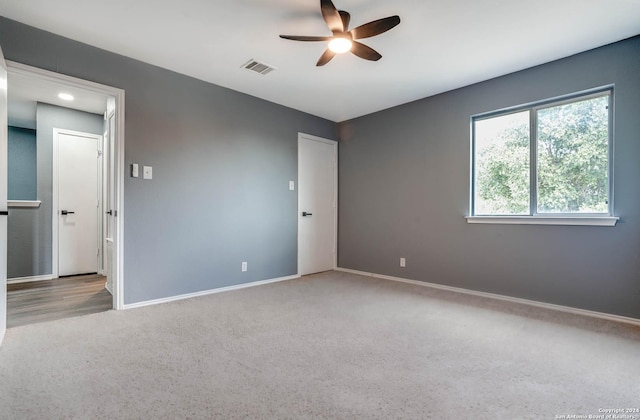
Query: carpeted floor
{"type": "Point", "coordinates": [332, 345]}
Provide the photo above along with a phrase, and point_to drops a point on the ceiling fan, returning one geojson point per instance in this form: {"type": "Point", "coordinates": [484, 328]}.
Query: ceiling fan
{"type": "Point", "coordinates": [344, 40]}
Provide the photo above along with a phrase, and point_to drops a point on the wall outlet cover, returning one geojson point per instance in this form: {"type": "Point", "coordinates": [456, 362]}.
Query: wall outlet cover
{"type": "Point", "coordinates": [147, 172]}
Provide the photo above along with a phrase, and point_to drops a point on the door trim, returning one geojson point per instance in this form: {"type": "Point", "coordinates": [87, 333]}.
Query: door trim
{"type": "Point", "coordinates": [4, 175]}
{"type": "Point", "coordinates": [309, 137]}
{"type": "Point", "coordinates": [119, 96]}
{"type": "Point", "coordinates": [55, 192]}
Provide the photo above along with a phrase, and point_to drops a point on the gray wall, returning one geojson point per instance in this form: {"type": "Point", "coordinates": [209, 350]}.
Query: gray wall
{"type": "Point", "coordinates": [21, 150]}
{"type": "Point", "coordinates": [29, 229]}
{"type": "Point", "coordinates": [221, 163]}
{"type": "Point", "coordinates": [404, 192]}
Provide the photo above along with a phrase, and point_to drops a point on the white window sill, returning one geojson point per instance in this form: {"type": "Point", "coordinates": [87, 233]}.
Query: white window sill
{"type": "Point", "coordinates": [545, 220]}
{"type": "Point", "coordinates": [24, 203]}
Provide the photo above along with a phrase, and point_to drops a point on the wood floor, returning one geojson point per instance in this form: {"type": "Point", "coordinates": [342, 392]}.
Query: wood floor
{"type": "Point", "coordinates": [32, 302]}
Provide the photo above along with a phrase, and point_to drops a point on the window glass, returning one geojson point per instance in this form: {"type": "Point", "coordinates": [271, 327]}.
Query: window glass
{"type": "Point", "coordinates": [502, 169]}
{"type": "Point", "coordinates": [573, 155]}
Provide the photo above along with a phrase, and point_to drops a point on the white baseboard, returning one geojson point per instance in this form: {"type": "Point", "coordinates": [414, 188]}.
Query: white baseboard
{"type": "Point", "coordinates": [16, 280]}
{"type": "Point", "coordinates": [566, 309]}
{"type": "Point", "coordinates": [208, 292]}
{"type": "Point", "coordinates": [106, 286]}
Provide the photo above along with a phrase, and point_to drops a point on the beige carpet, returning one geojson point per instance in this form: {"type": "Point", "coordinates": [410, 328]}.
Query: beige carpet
{"type": "Point", "coordinates": [333, 345]}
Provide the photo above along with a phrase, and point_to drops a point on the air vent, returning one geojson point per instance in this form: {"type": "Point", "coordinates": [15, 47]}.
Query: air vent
{"type": "Point", "coordinates": [258, 67]}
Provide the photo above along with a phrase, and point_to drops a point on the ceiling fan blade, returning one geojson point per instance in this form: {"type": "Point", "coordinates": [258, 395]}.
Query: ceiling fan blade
{"type": "Point", "coordinates": [325, 58]}
{"type": "Point", "coordinates": [365, 52]}
{"type": "Point", "coordinates": [375, 28]}
{"type": "Point", "coordinates": [331, 16]}
{"type": "Point", "coordinates": [346, 18]}
{"type": "Point", "coordinates": [305, 38]}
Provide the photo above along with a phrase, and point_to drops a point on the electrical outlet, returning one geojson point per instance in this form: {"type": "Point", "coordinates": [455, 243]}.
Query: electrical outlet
{"type": "Point", "coordinates": [292, 186]}
{"type": "Point", "coordinates": [244, 266]}
{"type": "Point", "coordinates": [403, 262]}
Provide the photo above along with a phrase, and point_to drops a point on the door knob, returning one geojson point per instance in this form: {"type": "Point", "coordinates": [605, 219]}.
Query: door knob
{"type": "Point", "coordinates": [110, 212]}
{"type": "Point", "coordinates": [305, 214]}
{"type": "Point", "coordinates": [65, 212]}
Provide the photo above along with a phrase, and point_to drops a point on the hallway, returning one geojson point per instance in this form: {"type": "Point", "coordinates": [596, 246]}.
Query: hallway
{"type": "Point", "coordinates": [29, 303]}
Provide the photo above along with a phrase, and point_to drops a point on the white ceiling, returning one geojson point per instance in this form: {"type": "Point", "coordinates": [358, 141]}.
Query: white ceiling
{"type": "Point", "coordinates": [440, 45]}
{"type": "Point", "coordinates": [24, 92]}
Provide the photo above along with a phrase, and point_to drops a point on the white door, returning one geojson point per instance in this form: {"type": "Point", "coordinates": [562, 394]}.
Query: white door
{"type": "Point", "coordinates": [77, 203]}
{"type": "Point", "coordinates": [317, 215]}
{"type": "Point", "coordinates": [3, 196]}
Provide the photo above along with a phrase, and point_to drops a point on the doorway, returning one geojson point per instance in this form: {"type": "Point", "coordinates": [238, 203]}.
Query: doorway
{"type": "Point", "coordinates": [103, 213]}
{"type": "Point", "coordinates": [317, 204]}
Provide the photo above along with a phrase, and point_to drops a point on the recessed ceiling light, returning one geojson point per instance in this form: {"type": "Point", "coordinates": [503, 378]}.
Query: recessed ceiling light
{"type": "Point", "coordinates": [65, 97]}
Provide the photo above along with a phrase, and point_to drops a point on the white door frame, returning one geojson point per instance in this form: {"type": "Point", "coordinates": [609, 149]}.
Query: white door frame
{"type": "Point", "coordinates": [309, 137]}
{"type": "Point", "coordinates": [101, 211]}
{"type": "Point", "coordinates": [119, 95]}
{"type": "Point", "coordinates": [3, 195]}
{"type": "Point", "coordinates": [55, 216]}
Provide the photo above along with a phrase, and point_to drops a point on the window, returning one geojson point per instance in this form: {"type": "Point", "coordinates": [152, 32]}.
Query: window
{"type": "Point", "coordinates": [550, 161]}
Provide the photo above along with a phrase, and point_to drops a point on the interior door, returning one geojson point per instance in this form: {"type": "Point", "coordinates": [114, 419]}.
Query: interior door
{"type": "Point", "coordinates": [317, 163]}
{"type": "Point", "coordinates": [3, 196]}
{"type": "Point", "coordinates": [77, 204]}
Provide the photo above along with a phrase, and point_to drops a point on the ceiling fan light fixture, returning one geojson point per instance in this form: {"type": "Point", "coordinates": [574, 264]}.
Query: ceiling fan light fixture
{"type": "Point", "coordinates": [340, 45]}
{"type": "Point", "coordinates": [343, 39]}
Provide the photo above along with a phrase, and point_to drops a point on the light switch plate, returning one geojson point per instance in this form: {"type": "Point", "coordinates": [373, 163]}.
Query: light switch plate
{"type": "Point", "coordinates": [292, 185]}
{"type": "Point", "coordinates": [147, 172]}
{"type": "Point", "coordinates": [134, 170]}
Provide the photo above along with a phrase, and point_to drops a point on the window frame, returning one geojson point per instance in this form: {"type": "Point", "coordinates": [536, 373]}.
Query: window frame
{"type": "Point", "coordinates": [592, 219]}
